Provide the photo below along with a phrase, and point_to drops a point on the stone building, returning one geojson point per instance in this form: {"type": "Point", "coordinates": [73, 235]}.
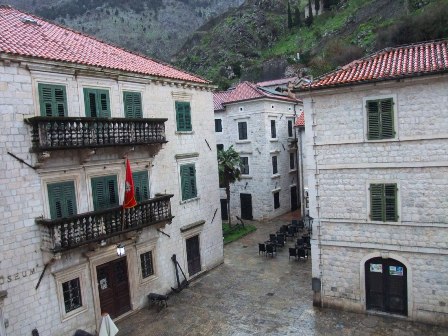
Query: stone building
{"type": "Point", "coordinates": [72, 108]}
{"type": "Point", "coordinates": [377, 166]}
{"type": "Point", "coordinates": [259, 124]}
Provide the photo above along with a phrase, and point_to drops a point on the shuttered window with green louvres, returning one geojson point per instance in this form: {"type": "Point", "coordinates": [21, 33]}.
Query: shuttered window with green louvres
{"type": "Point", "coordinates": [383, 202]}
{"type": "Point", "coordinates": [141, 185]}
{"type": "Point", "coordinates": [132, 104]}
{"type": "Point", "coordinates": [183, 116]}
{"type": "Point", "coordinates": [62, 199]}
{"type": "Point", "coordinates": [380, 119]}
{"type": "Point", "coordinates": [97, 103]}
{"type": "Point", "coordinates": [105, 192]}
{"type": "Point", "coordinates": [52, 100]}
{"type": "Point", "coordinates": [188, 181]}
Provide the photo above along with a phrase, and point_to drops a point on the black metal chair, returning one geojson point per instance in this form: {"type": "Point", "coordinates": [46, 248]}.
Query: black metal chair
{"type": "Point", "coordinates": [280, 240]}
{"type": "Point", "coordinates": [301, 253]}
{"type": "Point", "coordinates": [292, 252]}
{"type": "Point", "coordinates": [300, 225]}
{"type": "Point", "coordinates": [300, 242]}
{"type": "Point", "coordinates": [270, 249]}
{"type": "Point", "coordinates": [261, 248]}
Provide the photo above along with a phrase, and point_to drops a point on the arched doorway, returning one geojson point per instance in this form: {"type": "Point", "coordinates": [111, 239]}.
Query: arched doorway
{"type": "Point", "coordinates": [386, 286]}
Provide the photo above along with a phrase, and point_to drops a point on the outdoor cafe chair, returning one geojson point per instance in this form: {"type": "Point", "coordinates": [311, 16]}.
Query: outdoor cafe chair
{"type": "Point", "coordinates": [261, 248]}
{"type": "Point", "coordinates": [292, 252]}
{"type": "Point", "coordinates": [300, 242]}
{"type": "Point", "coordinates": [270, 249]}
{"type": "Point", "coordinates": [301, 253]}
{"type": "Point", "coordinates": [273, 237]}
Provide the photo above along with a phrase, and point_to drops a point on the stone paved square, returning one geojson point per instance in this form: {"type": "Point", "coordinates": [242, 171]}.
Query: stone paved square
{"type": "Point", "coordinates": [251, 294]}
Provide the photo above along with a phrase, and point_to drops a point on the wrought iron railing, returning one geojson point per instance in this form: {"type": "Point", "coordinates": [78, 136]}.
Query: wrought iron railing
{"type": "Point", "coordinates": [54, 133]}
{"type": "Point", "coordinates": [67, 233]}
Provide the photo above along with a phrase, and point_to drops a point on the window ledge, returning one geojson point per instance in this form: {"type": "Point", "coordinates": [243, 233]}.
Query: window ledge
{"type": "Point", "coordinates": [273, 140]}
{"type": "Point", "coordinates": [183, 132]}
{"type": "Point", "coordinates": [382, 140]}
{"type": "Point", "coordinates": [243, 141]}
{"type": "Point", "coordinates": [275, 176]}
{"type": "Point", "coordinates": [148, 280]}
{"type": "Point", "coordinates": [292, 170]}
{"type": "Point", "coordinates": [197, 198]}
{"type": "Point", "coordinates": [246, 177]}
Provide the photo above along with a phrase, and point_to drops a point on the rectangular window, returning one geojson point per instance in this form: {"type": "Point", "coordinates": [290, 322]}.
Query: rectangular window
{"type": "Point", "coordinates": [273, 130]}
{"type": "Point", "coordinates": [219, 147]}
{"type": "Point", "coordinates": [218, 125]}
{"type": "Point", "coordinates": [242, 130]}
{"type": "Point", "coordinates": [183, 116]}
{"type": "Point", "coordinates": [147, 264]}
{"type": "Point", "coordinates": [188, 181]}
{"type": "Point", "coordinates": [290, 128]}
{"type": "Point", "coordinates": [274, 165]}
{"type": "Point", "coordinates": [141, 185]}
{"type": "Point", "coordinates": [292, 161]}
{"type": "Point", "coordinates": [380, 119]}
{"type": "Point", "coordinates": [105, 192]}
{"type": "Point", "coordinates": [244, 165]}
{"type": "Point", "coordinates": [277, 200]}
{"type": "Point", "coordinates": [52, 100]}
{"type": "Point", "coordinates": [62, 199]}
{"type": "Point", "coordinates": [97, 103]}
{"type": "Point", "coordinates": [71, 291]}
{"type": "Point", "coordinates": [132, 104]}
{"type": "Point", "coordinates": [383, 202]}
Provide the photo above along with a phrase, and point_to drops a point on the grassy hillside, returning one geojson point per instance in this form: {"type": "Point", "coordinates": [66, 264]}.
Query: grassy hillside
{"type": "Point", "coordinates": [157, 28]}
{"type": "Point", "coordinates": [255, 43]}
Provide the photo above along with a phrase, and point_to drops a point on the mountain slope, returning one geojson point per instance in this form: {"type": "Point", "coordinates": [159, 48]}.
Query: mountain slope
{"type": "Point", "coordinates": [157, 28]}
{"type": "Point", "coordinates": [255, 43]}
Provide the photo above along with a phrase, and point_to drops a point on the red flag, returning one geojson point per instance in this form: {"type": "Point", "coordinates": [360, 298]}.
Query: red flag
{"type": "Point", "coordinates": [129, 193]}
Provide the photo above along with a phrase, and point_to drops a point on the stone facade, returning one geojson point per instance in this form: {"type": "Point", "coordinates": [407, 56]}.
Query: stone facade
{"type": "Point", "coordinates": [341, 164]}
{"type": "Point", "coordinates": [261, 183]}
{"type": "Point", "coordinates": [34, 303]}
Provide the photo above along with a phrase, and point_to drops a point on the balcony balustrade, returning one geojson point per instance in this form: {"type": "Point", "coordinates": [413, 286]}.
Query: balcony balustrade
{"type": "Point", "coordinates": [63, 234]}
{"type": "Point", "coordinates": [56, 133]}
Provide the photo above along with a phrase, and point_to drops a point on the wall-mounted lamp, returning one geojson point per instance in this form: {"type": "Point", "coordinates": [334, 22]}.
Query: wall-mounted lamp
{"type": "Point", "coordinates": [120, 250]}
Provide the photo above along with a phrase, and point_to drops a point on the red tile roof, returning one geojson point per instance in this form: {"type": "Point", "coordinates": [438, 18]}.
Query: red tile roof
{"type": "Point", "coordinates": [389, 64]}
{"type": "Point", "coordinates": [246, 91]}
{"type": "Point", "coordinates": [27, 35]}
{"type": "Point", "coordinates": [300, 121]}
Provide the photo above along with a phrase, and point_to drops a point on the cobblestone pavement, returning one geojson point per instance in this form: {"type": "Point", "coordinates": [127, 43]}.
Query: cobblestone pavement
{"type": "Point", "coordinates": [257, 295]}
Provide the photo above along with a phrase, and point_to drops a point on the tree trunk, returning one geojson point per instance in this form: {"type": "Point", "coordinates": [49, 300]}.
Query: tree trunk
{"type": "Point", "coordinates": [228, 204]}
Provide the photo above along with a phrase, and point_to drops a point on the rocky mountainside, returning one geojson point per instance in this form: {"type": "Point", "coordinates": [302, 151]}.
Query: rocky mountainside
{"type": "Point", "coordinates": [261, 41]}
{"type": "Point", "coordinates": [157, 28]}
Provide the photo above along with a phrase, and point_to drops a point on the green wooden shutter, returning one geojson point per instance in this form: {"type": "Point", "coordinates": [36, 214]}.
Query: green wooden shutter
{"type": "Point", "coordinates": [387, 119]}
{"type": "Point", "coordinates": [141, 185]}
{"type": "Point", "coordinates": [132, 104]}
{"type": "Point", "coordinates": [188, 181]}
{"type": "Point", "coordinates": [373, 120]}
{"type": "Point", "coordinates": [105, 192]}
{"type": "Point", "coordinates": [62, 199]}
{"type": "Point", "coordinates": [183, 116]}
{"type": "Point", "coordinates": [97, 103]}
{"type": "Point", "coordinates": [390, 203]}
{"type": "Point", "coordinates": [52, 100]}
{"type": "Point", "coordinates": [376, 202]}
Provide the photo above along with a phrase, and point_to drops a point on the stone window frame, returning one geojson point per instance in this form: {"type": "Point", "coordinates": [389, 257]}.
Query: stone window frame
{"type": "Point", "coordinates": [80, 272]}
{"type": "Point", "coordinates": [398, 200]}
{"type": "Point", "coordinates": [186, 159]}
{"type": "Point", "coordinates": [51, 79]}
{"type": "Point", "coordinates": [218, 125]}
{"type": "Point", "coordinates": [149, 246]}
{"type": "Point", "coordinates": [248, 165]}
{"type": "Point", "coordinates": [99, 171]}
{"type": "Point", "coordinates": [182, 96]}
{"type": "Point", "coordinates": [288, 120]}
{"type": "Point", "coordinates": [395, 116]}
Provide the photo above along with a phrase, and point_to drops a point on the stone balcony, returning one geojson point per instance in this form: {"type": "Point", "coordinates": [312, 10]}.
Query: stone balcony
{"type": "Point", "coordinates": [64, 234]}
{"type": "Point", "coordinates": [59, 133]}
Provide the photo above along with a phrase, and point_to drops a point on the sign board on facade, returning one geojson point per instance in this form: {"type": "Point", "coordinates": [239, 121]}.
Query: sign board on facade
{"type": "Point", "coordinates": [377, 268]}
{"type": "Point", "coordinates": [396, 270]}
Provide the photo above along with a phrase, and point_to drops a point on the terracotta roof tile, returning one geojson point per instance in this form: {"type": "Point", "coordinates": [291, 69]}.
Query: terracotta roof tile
{"type": "Point", "coordinates": [246, 91]}
{"type": "Point", "coordinates": [27, 35]}
{"type": "Point", "coordinates": [388, 64]}
{"type": "Point", "coordinates": [300, 121]}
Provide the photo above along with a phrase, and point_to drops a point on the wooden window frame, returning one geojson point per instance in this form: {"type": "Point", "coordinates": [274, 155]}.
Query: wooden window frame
{"type": "Point", "coordinates": [50, 193]}
{"type": "Point", "coordinates": [100, 111]}
{"type": "Point", "coordinates": [292, 161]}
{"type": "Point", "coordinates": [384, 202]}
{"type": "Point", "coordinates": [218, 125]}
{"type": "Point", "coordinates": [94, 198]}
{"type": "Point", "coordinates": [274, 160]}
{"type": "Point", "coordinates": [242, 130]}
{"type": "Point", "coordinates": [276, 195]}
{"type": "Point", "coordinates": [132, 104]}
{"type": "Point", "coordinates": [191, 180]}
{"type": "Point", "coordinates": [244, 165]}
{"type": "Point", "coordinates": [183, 116]}
{"type": "Point", "coordinates": [54, 101]}
{"type": "Point", "coordinates": [380, 119]}
{"type": "Point", "coordinates": [138, 176]}
{"type": "Point", "coordinates": [290, 128]}
{"type": "Point", "coordinates": [273, 129]}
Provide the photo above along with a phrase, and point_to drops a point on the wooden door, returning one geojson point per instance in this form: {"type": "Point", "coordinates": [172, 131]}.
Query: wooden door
{"type": "Point", "coordinates": [193, 255]}
{"type": "Point", "coordinates": [113, 287]}
{"type": "Point", "coordinates": [224, 212]}
{"type": "Point", "coordinates": [246, 206]}
{"type": "Point", "coordinates": [294, 203]}
{"type": "Point", "coordinates": [386, 286]}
